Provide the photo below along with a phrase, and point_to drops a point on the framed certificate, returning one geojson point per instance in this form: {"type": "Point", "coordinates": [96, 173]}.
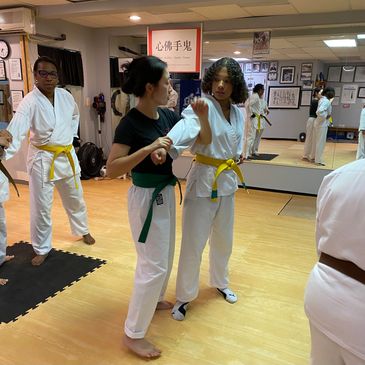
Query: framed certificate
{"type": "Point", "coordinates": [16, 98]}
{"type": "Point", "coordinates": [2, 70]}
{"type": "Point", "coordinates": [15, 68]}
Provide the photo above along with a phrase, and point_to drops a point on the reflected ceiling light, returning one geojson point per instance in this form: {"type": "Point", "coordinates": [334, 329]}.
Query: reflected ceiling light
{"type": "Point", "coordinates": [206, 42]}
{"type": "Point", "coordinates": [213, 59]}
{"type": "Point", "coordinates": [237, 52]}
{"type": "Point", "coordinates": [340, 43]}
{"type": "Point", "coordinates": [135, 18]}
{"type": "Point", "coordinates": [348, 68]}
{"type": "Point", "coordinates": [361, 36]}
{"type": "Point", "coordinates": [241, 59]}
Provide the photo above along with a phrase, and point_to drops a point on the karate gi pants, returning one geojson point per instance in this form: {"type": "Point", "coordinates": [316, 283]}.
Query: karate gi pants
{"type": "Point", "coordinates": [3, 236]}
{"type": "Point", "coordinates": [41, 199]}
{"type": "Point", "coordinates": [360, 147]}
{"type": "Point", "coordinates": [253, 139]}
{"type": "Point", "coordinates": [203, 219]}
{"type": "Point", "coordinates": [319, 139]}
{"type": "Point", "coordinates": [327, 352]}
{"type": "Point", "coordinates": [309, 139]}
{"type": "Point", "coordinates": [154, 257]}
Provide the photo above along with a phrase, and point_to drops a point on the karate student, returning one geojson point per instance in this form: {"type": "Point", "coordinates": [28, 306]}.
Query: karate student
{"type": "Point", "coordinates": [151, 198]}
{"type": "Point", "coordinates": [361, 141]}
{"type": "Point", "coordinates": [208, 211]}
{"type": "Point", "coordinates": [256, 109]}
{"type": "Point", "coordinates": [335, 293]}
{"type": "Point", "coordinates": [51, 116]}
{"type": "Point", "coordinates": [321, 123]}
{"type": "Point", "coordinates": [5, 139]}
{"type": "Point", "coordinates": [308, 146]}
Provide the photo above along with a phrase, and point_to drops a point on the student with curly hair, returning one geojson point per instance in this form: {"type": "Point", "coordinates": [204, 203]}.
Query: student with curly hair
{"type": "Point", "coordinates": [208, 211]}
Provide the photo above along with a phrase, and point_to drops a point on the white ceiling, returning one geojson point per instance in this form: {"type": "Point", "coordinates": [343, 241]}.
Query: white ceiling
{"type": "Point", "coordinates": [298, 26]}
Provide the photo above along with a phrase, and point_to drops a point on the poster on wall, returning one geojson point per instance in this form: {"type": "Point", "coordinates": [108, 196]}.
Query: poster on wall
{"type": "Point", "coordinates": [2, 70]}
{"type": "Point", "coordinates": [179, 48]}
{"type": "Point", "coordinates": [284, 97]}
{"type": "Point", "coordinates": [360, 74]}
{"type": "Point", "coordinates": [261, 43]}
{"type": "Point", "coordinates": [189, 89]}
{"type": "Point", "coordinates": [16, 97]}
{"type": "Point", "coordinates": [306, 71]}
{"type": "Point", "coordinates": [15, 68]}
{"type": "Point", "coordinates": [306, 98]}
{"type": "Point", "coordinates": [349, 94]}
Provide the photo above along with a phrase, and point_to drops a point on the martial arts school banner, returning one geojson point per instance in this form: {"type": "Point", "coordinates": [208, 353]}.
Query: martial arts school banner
{"type": "Point", "coordinates": [181, 49]}
{"type": "Point", "coordinates": [261, 43]}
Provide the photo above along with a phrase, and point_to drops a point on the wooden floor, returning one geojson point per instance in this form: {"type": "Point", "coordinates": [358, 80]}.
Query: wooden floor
{"type": "Point", "coordinates": [291, 152]}
{"type": "Point", "coordinates": [272, 257]}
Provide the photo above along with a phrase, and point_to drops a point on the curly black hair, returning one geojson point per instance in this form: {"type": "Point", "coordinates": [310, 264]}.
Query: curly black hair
{"type": "Point", "coordinates": [239, 93]}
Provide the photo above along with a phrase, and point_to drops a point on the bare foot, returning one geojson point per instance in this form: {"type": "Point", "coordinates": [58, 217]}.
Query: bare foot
{"type": "Point", "coordinates": [3, 281]}
{"type": "Point", "coordinates": [8, 258]}
{"type": "Point", "coordinates": [39, 259]}
{"type": "Point", "coordinates": [141, 347]}
{"type": "Point", "coordinates": [164, 304]}
{"type": "Point", "coordinates": [88, 239]}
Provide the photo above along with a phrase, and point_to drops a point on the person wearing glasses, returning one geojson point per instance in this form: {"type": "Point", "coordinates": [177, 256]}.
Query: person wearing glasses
{"type": "Point", "coordinates": [51, 117]}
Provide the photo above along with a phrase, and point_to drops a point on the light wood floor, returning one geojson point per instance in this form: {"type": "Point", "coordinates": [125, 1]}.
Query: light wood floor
{"type": "Point", "coordinates": [291, 152]}
{"type": "Point", "coordinates": [272, 257]}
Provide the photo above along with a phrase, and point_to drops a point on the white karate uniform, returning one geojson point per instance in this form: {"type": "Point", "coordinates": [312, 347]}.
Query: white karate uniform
{"type": "Point", "coordinates": [255, 105]}
{"type": "Point", "coordinates": [4, 195]}
{"type": "Point", "coordinates": [154, 257]}
{"type": "Point", "coordinates": [49, 125]}
{"type": "Point", "coordinates": [203, 218]}
{"type": "Point", "coordinates": [308, 144]}
{"type": "Point", "coordinates": [320, 128]}
{"type": "Point", "coordinates": [361, 141]}
{"type": "Point", "coordinates": [334, 302]}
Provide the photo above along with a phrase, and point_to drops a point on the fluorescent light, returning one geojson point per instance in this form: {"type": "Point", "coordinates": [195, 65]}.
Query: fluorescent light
{"type": "Point", "coordinates": [206, 42]}
{"type": "Point", "coordinates": [361, 36]}
{"type": "Point", "coordinates": [135, 18]}
{"type": "Point", "coordinates": [241, 59]}
{"type": "Point", "coordinates": [340, 43]}
{"type": "Point", "coordinates": [237, 52]}
{"type": "Point", "coordinates": [214, 59]}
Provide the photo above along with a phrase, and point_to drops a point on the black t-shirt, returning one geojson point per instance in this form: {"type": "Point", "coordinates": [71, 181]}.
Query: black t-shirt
{"type": "Point", "coordinates": [313, 108]}
{"type": "Point", "coordinates": [137, 130]}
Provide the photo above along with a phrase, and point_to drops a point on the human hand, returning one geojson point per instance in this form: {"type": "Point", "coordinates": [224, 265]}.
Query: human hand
{"type": "Point", "coordinates": [161, 142]}
{"type": "Point", "coordinates": [158, 156]}
{"type": "Point", "coordinates": [241, 159]}
{"type": "Point", "coordinates": [6, 134]}
{"type": "Point", "coordinates": [200, 108]}
{"type": "Point", "coordinates": [4, 142]}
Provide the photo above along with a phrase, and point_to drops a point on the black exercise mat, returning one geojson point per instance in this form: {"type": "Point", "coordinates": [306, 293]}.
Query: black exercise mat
{"type": "Point", "coordinates": [30, 285]}
{"type": "Point", "coordinates": [264, 157]}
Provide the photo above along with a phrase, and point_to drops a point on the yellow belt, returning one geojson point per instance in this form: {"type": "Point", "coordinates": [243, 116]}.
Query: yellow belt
{"type": "Point", "coordinates": [57, 150]}
{"type": "Point", "coordinates": [221, 166]}
{"type": "Point", "coordinates": [258, 116]}
{"type": "Point", "coordinates": [330, 120]}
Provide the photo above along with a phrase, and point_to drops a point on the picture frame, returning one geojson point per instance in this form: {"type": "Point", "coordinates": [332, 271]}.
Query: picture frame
{"type": "Point", "coordinates": [283, 97]}
{"type": "Point", "coordinates": [264, 68]}
{"type": "Point", "coordinates": [15, 69]}
{"type": "Point", "coordinates": [349, 93]}
{"type": "Point", "coordinates": [16, 98]}
{"type": "Point", "coordinates": [2, 70]}
{"type": "Point", "coordinates": [287, 74]}
{"type": "Point", "coordinates": [361, 93]}
{"type": "Point", "coordinates": [248, 67]}
{"type": "Point", "coordinates": [307, 84]}
{"type": "Point", "coordinates": [306, 98]}
{"type": "Point", "coordinates": [334, 73]}
{"type": "Point", "coordinates": [348, 76]}
{"type": "Point", "coordinates": [256, 66]}
{"type": "Point", "coordinates": [273, 66]}
{"type": "Point", "coordinates": [1, 97]}
{"type": "Point", "coordinates": [360, 74]}
{"type": "Point", "coordinates": [306, 71]}
{"type": "Point", "coordinates": [272, 76]}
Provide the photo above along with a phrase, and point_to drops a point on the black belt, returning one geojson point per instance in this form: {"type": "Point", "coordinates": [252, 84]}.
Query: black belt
{"type": "Point", "coordinates": [347, 268]}
{"type": "Point", "coordinates": [6, 173]}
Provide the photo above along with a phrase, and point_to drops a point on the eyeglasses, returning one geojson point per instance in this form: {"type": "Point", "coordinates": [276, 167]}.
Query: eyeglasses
{"type": "Point", "coordinates": [44, 74]}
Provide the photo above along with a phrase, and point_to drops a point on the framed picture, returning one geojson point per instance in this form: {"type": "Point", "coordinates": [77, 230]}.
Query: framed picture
{"type": "Point", "coordinates": [16, 98]}
{"type": "Point", "coordinates": [360, 74]}
{"type": "Point", "coordinates": [1, 97]}
{"type": "Point", "coordinates": [2, 70]}
{"type": "Point", "coordinates": [256, 66]}
{"type": "Point", "coordinates": [284, 97]}
{"type": "Point", "coordinates": [334, 73]}
{"type": "Point", "coordinates": [349, 94]}
{"type": "Point", "coordinates": [337, 90]}
{"type": "Point", "coordinates": [348, 75]}
{"type": "Point", "coordinates": [264, 67]}
{"type": "Point", "coordinates": [272, 76]}
{"type": "Point", "coordinates": [308, 84]}
{"type": "Point", "coordinates": [273, 66]}
{"type": "Point", "coordinates": [15, 68]}
{"type": "Point", "coordinates": [361, 93]}
{"type": "Point", "coordinates": [248, 68]}
{"type": "Point", "coordinates": [306, 71]}
{"type": "Point", "coordinates": [306, 98]}
{"type": "Point", "coordinates": [287, 74]}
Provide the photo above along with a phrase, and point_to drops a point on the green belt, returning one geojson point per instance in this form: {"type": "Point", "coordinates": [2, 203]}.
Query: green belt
{"type": "Point", "coordinates": [159, 182]}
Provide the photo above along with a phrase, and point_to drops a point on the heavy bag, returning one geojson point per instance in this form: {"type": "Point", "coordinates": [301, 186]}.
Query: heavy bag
{"type": "Point", "coordinates": [91, 160]}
